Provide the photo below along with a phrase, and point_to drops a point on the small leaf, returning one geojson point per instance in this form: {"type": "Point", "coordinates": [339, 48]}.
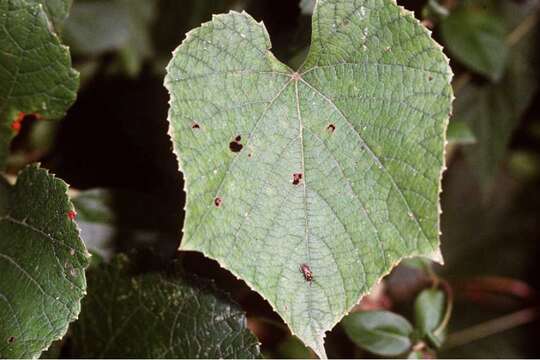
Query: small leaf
{"type": "Point", "coordinates": [36, 73]}
{"type": "Point", "coordinates": [95, 27]}
{"type": "Point", "coordinates": [429, 310]}
{"type": "Point", "coordinates": [336, 167]}
{"type": "Point", "coordinates": [157, 316]}
{"type": "Point", "coordinates": [477, 39]}
{"type": "Point", "coordinates": [42, 262]}
{"type": "Point", "coordinates": [380, 332]}
{"type": "Point", "coordinates": [459, 132]}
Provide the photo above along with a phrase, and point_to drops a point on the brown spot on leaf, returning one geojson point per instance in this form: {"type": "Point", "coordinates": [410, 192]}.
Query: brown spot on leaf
{"type": "Point", "coordinates": [217, 201]}
{"type": "Point", "coordinates": [331, 128]}
{"type": "Point", "coordinates": [11, 339]}
{"type": "Point", "coordinates": [195, 126]}
{"type": "Point", "coordinates": [235, 145]}
{"type": "Point", "coordinates": [297, 178]}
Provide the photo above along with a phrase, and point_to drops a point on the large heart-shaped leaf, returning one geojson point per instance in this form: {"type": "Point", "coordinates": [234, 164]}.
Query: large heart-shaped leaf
{"type": "Point", "coordinates": [42, 264]}
{"type": "Point", "coordinates": [311, 185]}
{"type": "Point", "coordinates": [35, 68]}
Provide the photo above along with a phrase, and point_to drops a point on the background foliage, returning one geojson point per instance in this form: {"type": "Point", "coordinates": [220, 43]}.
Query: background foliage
{"type": "Point", "coordinates": [113, 147]}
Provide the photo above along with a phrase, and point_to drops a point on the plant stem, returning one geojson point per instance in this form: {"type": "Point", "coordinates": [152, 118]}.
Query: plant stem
{"type": "Point", "coordinates": [491, 327]}
{"type": "Point", "coordinates": [522, 29]}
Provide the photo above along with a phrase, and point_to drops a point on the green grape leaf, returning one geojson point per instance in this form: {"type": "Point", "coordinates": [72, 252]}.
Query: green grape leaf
{"type": "Point", "coordinates": [380, 332]}
{"type": "Point", "coordinates": [157, 316]}
{"type": "Point", "coordinates": [35, 68]}
{"type": "Point", "coordinates": [311, 185]}
{"type": "Point", "coordinates": [42, 262]}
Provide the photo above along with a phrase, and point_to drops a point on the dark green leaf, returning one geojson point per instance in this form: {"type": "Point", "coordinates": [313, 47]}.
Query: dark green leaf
{"type": "Point", "coordinates": [42, 262]}
{"type": "Point", "coordinates": [155, 316]}
{"type": "Point", "coordinates": [293, 348]}
{"type": "Point", "coordinates": [35, 69]}
{"type": "Point", "coordinates": [459, 132]}
{"type": "Point", "coordinates": [429, 310]}
{"type": "Point", "coordinates": [477, 39]}
{"type": "Point", "coordinates": [380, 332]}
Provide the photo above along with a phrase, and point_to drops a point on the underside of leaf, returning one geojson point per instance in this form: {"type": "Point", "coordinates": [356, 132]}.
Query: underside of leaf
{"type": "Point", "coordinates": [311, 185]}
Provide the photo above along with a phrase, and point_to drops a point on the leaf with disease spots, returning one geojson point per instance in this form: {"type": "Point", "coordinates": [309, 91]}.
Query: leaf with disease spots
{"type": "Point", "coordinates": [42, 262]}
{"type": "Point", "coordinates": [311, 185]}
{"type": "Point", "coordinates": [35, 68]}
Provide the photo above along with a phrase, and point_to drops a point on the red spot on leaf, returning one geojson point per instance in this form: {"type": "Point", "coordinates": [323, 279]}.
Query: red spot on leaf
{"type": "Point", "coordinates": [71, 215]}
{"type": "Point", "coordinates": [17, 123]}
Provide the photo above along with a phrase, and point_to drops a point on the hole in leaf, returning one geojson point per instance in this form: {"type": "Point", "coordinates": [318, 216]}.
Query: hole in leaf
{"type": "Point", "coordinates": [297, 178]}
{"type": "Point", "coordinates": [235, 145]}
{"type": "Point", "coordinates": [218, 201]}
{"type": "Point", "coordinates": [331, 128]}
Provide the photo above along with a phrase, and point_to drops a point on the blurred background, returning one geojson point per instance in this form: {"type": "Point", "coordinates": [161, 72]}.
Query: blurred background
{"type": "Point", "coordinates": [113, 149]}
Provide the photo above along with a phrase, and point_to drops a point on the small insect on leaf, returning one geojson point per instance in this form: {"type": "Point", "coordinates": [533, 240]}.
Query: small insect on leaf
{"type": "Point", "coordinates": [306, 271]}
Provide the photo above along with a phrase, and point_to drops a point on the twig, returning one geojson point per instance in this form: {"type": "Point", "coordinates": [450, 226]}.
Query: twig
{"type": "Point", "coordinates": [522, 29]}
{"type": "Point", "coordinates": [491, 327]}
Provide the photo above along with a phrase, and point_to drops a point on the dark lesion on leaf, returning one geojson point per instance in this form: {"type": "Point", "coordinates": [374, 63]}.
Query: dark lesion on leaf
{"type": "Point", "coordinates": [11, 339]}
{"type": "Point", "coordinates": [195, 126]}
{"type": "Point", "coordinates": [235, 145]}
{"type": "Point", "coordinates": [331, 128]}
{"type": "Point", "coordinates": [217, 201]}
{"type": "Point", "coordinates": [297, 178]}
